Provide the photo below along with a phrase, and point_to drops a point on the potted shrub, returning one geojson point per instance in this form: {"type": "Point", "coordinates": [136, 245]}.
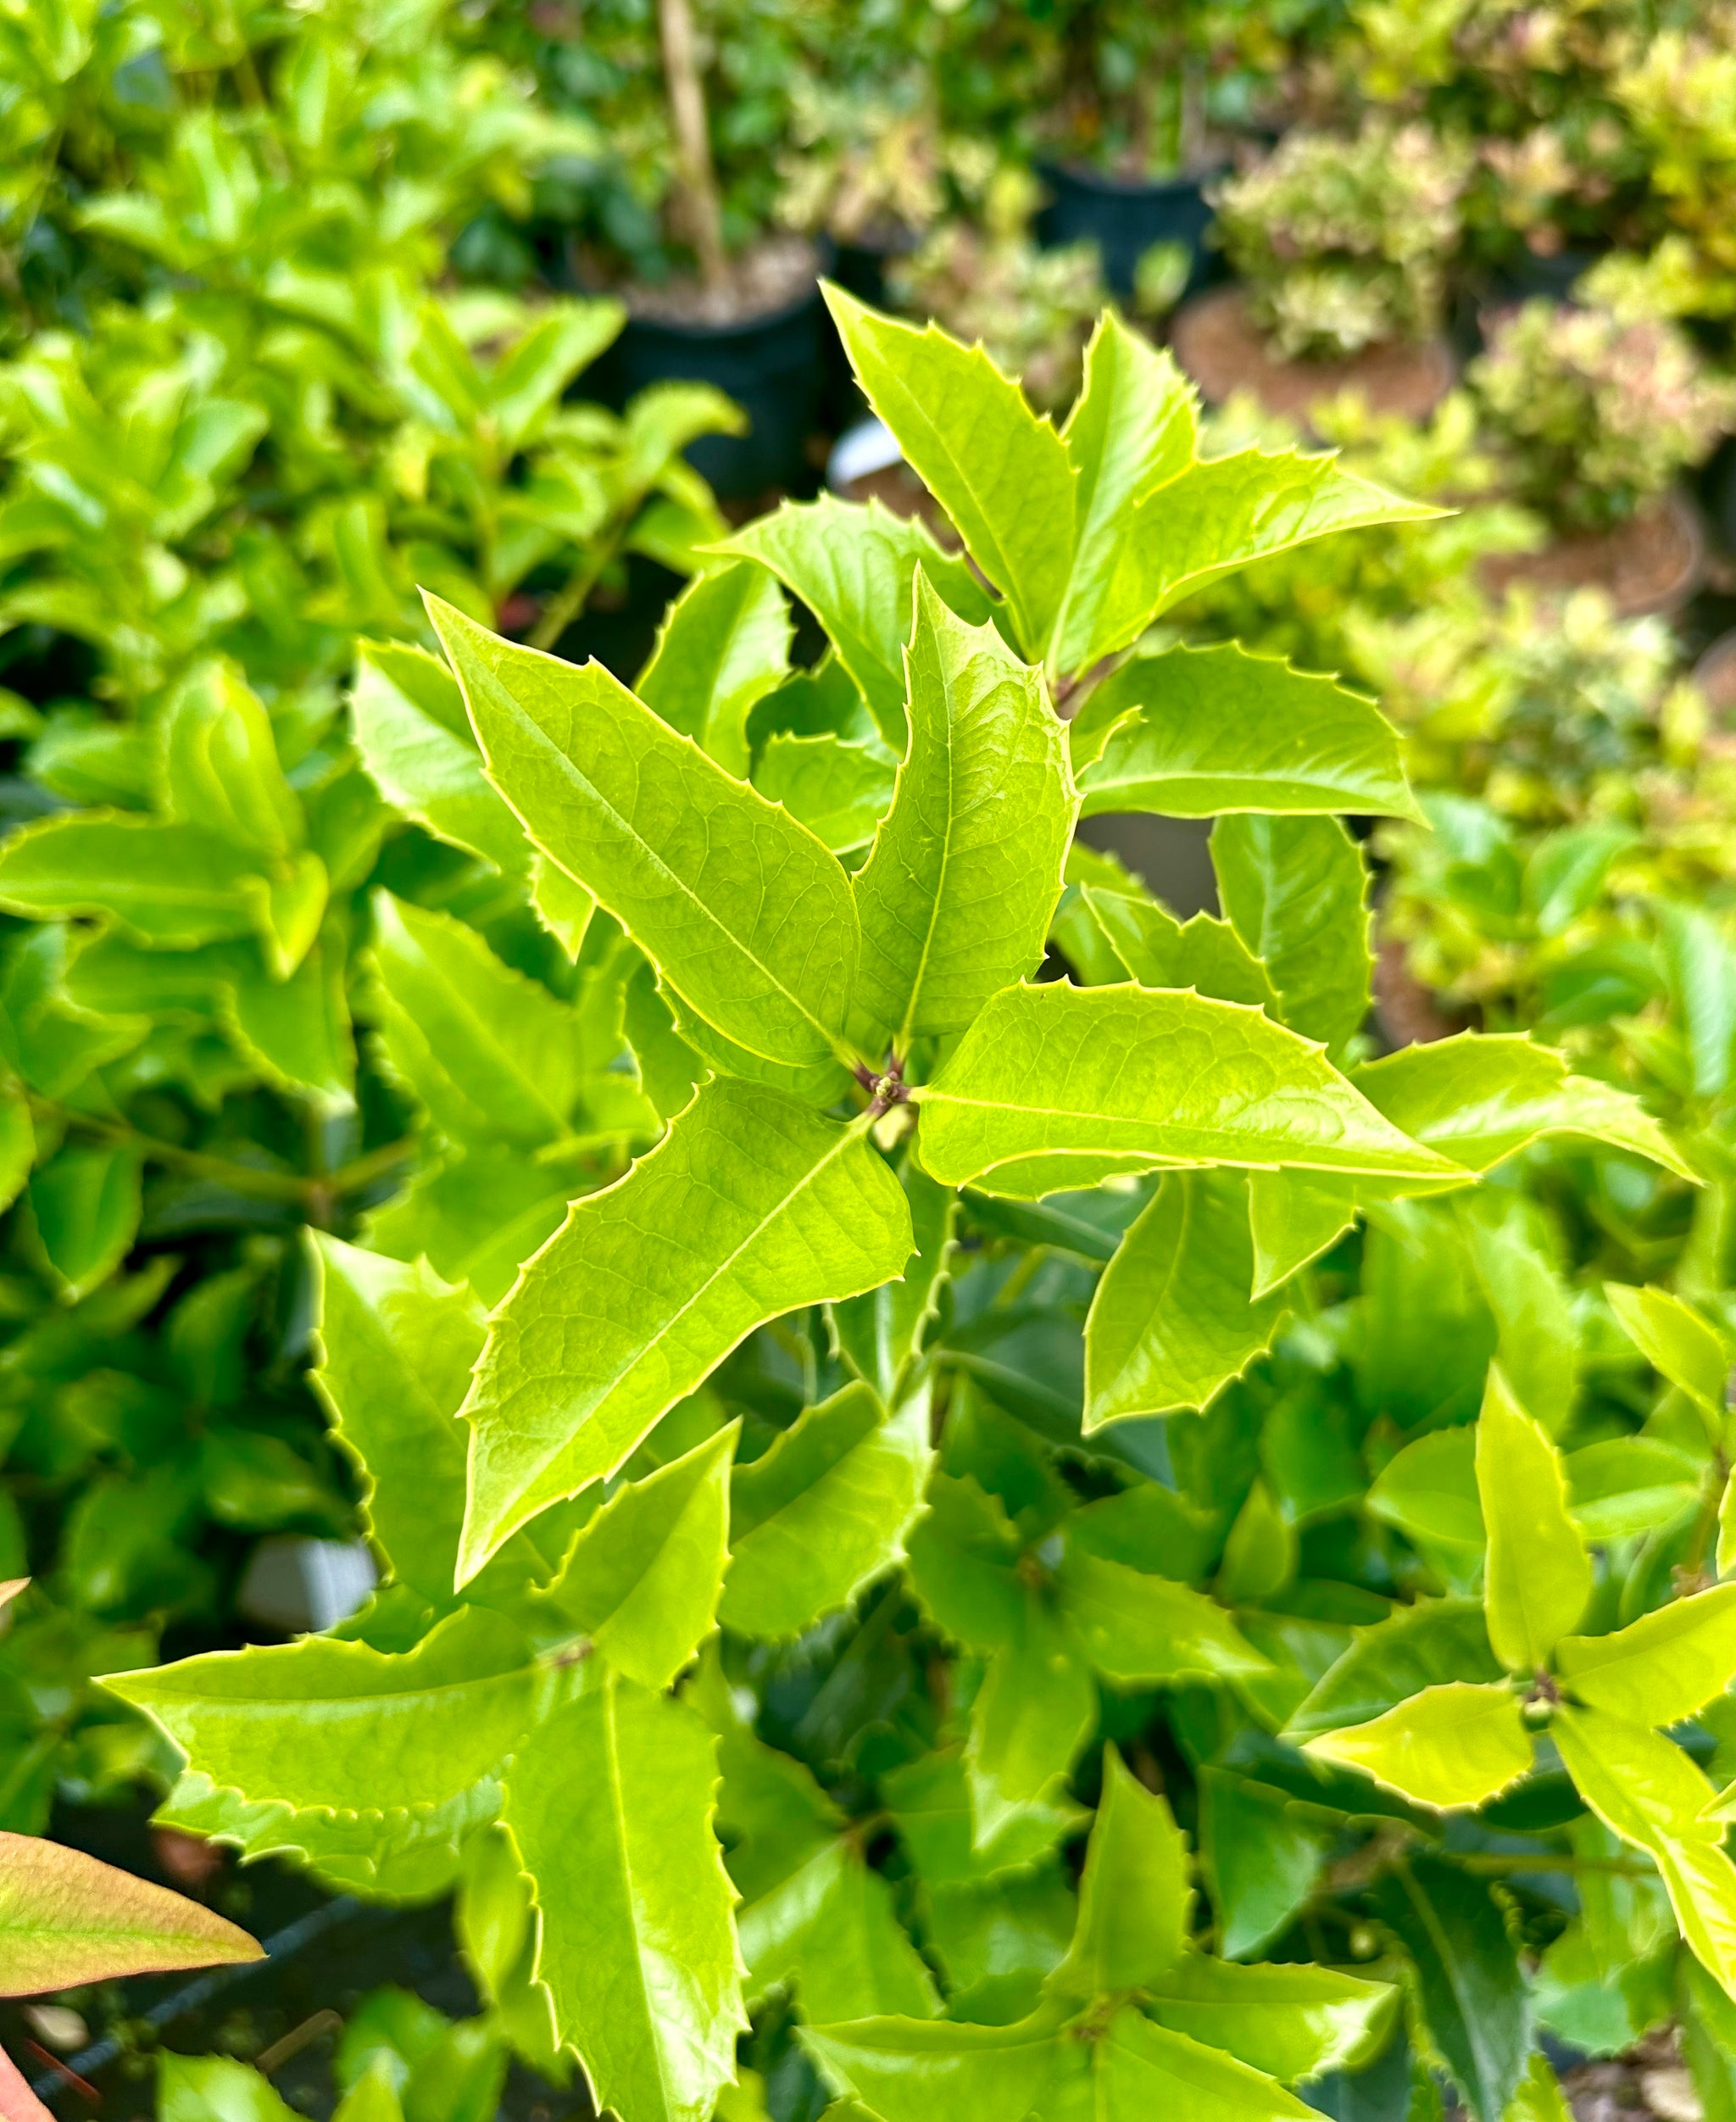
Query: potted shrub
{"type": "Point", "coordinates": [1341, 243]}
{"type": "Point", "coordinates": [1597, 413]}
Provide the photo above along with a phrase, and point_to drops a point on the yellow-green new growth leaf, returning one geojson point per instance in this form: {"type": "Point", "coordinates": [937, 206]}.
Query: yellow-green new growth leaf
{"type": "Point", "coordinates": [171, 887]}
{"type": "Point", "coordinates": [219, 2089]}
{"type": "Point", "coordinates": [643, 1575]}
{"type": "Point", "coordinates": [1152, 1078]}
{"type": "Point", "coordinates": [1192, 732]}
{"type": "Point", "coordinates": [1158, 951]}
{"type": "Point", "coordinates": [1675, 1341]}
{"type": "Point", "coordinates": [610, 1806]}
{"type": "Point", "coordinates": [1001, 474]}
{"type": "Point", "coordinates": [1660, 1669]}
{"type": "Point", "coordinates": [611, 1323]}
{"type": "Point", "coordinates": [724, 644]}
{"type": "Point", "coordinates": [853, 567]}
{"type": "Point", "coordinates": [322, 1722]}
{"type": "Point", "coordinates": [1171, 1321]}
{"type": "Point", "coordinates": [1291, 2021]}
{"type": "Point", "coordinates": [955, 897]}
{"type": "Point", "coordinates": [66, 1919]}
{"type": "Point", "coordinates": [832, 1929]}
{"type": "Point", "coordinates": [1296, 890]}
{"type": "Point", "coordinates": [1293, 1217]}
{"type": "Point", "coordinates": [1457, 1744]}
{"type": "Point", "coordinates": [1134, 1896]}
{"type": "Point", "coordinates": [744, 912]}
{"type": "Point", "coordinates": [1537, 1576]}
{"type": "Point", "coordinates": [825, 1510]}
{"type": "Point", "coordinates": [218, 768]}
{"type": "Point", "coordinates": [1479, 1098]}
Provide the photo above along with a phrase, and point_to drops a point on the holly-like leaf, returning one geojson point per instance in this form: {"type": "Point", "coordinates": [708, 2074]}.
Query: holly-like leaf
{"type": "Point", "coordinates": [880, 1332]}
{"type": "Point", "coordinates": [1295, 888]}
{"type": "Point", "coordinates": [1675, 1341]}
{"type": "Point", "coordinates": [297, 1031]}
{"type": "Point", "coordinates": [854, 568]}
{"type": "Point", "coordinates": [1480, 1098]}
{"type": "Point", "coordinates": [1151, 946]}
{"type": "Point", "coordinates": [1133, 428]}
{"type": "Point", "coordinates": [1147, 1077]}
{"type": "Point", "coordinates": [955, 897]}
{"type": "Point", "coordinates": [491, 1054]}
{"type": "Point", "coordinates": [1139, 1629]}
{"type": "Point", "coordinates": [1538, 1575]}
{"type": "Point", "coordinates": [171, 887]}
{"type": "Point", "coordinates": [66, 1919]}
{"type": "Point", "coordinates": [1032, 1715]}
{"type": "Point", "coordinates": [824, 1511]}
{"type": "Point", "coordinates": [610, 1805]}
{"type": "Point", "coordinates": [1001, 474]}
{"type": "Point", "coordinates": [1172, 1322]}
{"type": "Point", "coordinates": [1262, 1855]}
{"type": "Point", "coordinates": [1134, 1896]}
{"type": "Point", "coordinates": [724, 645]}
{"type": "Point", "coordinates": [1473, 1996]}
{"type": "Point", "coordinates": [1292, 1217]}
{"type": "Point", "coordinates": [408, 718]}
{"type": "Point", "coordinates": [1191, 732]}
{"type": "Point", "coordinates": [1291, 2021]}
{"type": "Point", "coordinates": [643, 1575]}
{"type": "Point", "coordinates": [831, 1931]}
{"type": "Point", "coordinates": [1660, 1669]}
{"type": "Point", "coordinates": [1420, 1646]}
{"type": "Point", "coordinates": [746, 914]}
{"type": "Point", "coordinates": [1429, 1492]}
{"type": "Point", "coordinates": [308, 1722]}
{"type": "Point", "coordinates": [913, 2069]}
{"type": "Point", "coordinates": [1457, 1744]}
{"type": "Point", "coordinates": [609, 1325]}
{"type": "Point", "coordinates": [839, 790]}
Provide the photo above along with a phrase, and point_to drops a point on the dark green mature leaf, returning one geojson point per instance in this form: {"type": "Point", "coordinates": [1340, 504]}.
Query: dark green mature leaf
{"type": "Point", "coordinates": [1057, 1071]}
{"type": "Point", "coordinates": [82, 1213]}
{"type": "Point", "coordinates": [724, 645]}
{"type": "Point", "coordinates": [747, 915]}
{"type": "Point", "coordinates": [1001, 474]}
{"type": "Point", "coordinates": [610, 1325]}
{"type": "Point", "coordinates": [1262, 1855]}
{"type": "Point", "coordinates": [824, 1511]}
{"type": "Point", "coordinates": [610, 1806]}
{"type": "Point", "coordinates": [324, 1722]}
{"type": "Point", "coordinates": [1296, 889]}
{"type": "Point", "coordinates": [955, 897]}
{"type": "Point", "coordinates": [1473, 1994]}
{"type": "Point", "coordinates": [1171, 1321]}
{"type": "Point", "coordinates": [643, 1576]}
{"type": "Point", "coordinates": [854, 568]}
{"type": "Point", "coordinates": [1192, 732]}
{"type": "Point", "coordinates": [1141, 1629]}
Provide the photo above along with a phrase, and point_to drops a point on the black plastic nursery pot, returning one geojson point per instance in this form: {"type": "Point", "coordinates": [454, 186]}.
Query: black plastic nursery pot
{"type": "Point", "coordinates": [1124, 216]}
{"type": "Point", "coordinates": [773, 366]}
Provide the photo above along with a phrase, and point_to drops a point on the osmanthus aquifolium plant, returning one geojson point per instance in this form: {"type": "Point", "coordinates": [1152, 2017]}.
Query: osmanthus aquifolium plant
{"type": "Point", "coordinates": [855, 1387]}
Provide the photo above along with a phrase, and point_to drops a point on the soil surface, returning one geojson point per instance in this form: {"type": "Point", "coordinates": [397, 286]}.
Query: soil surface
{"type": "Point", "coordinates": [1654, 562]}
{"type": "Point", "coordinates": [1217, 342]}
{"type": "Point", "coordinates": [774, 275]}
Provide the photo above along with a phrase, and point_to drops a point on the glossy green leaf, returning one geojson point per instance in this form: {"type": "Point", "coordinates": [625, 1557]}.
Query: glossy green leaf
{"type": "Point", "coordinates": [1459, 1743]}
{"type": "Point", "coordinates": [1625, 1487]}
{"type": "Point", "coordinates": [914, 2069]}
{"type": "Point", "coordinates": [1509, 1246]}
{"type": "Point", "coordinates": [1261, 1854]}
{"type": "Point", "coordinates": [824, 1511]}
{"type": "Point", "coordinates": [1141, 1629]}
{"type": "Point", "coordinates": [742, 909]}
{"type": "Point", "coordinates": [324, 1723]}
{"type": "Point", "coordinates": [610, 1806]}
{"type": "Point", "coordinates": [297, 1031]}
{"type": "Point", "coordinates": [1292, 1217]}
{"type": "Point", "coordinates": [839, 790]}
{"type": "Point", "coordinates": [643, 1576]}
{"type": "Point", "coordinates": [1295, 890]}
{"type": "Point", "coordinates": [609, 1326]}
{"type": "Point", "coordinates": [17, 1144]}
{"type": "Point", "coordinates": [219, 769]}
{"type": "Point", "coordinates": [1001, 474]}
{"type": "Point", "coordinates": [1293, 2021]}
{"type": "Point", "coordinates": [854, 568]}
{"type": "Point", "coordinates": [1419, 1646]}
{"type": "Point", "coordinates": [1675, 1341]}
{"type": "Point", "coordinates": [1155, 1077]}
{"type": "Point", "coordinates": [1538, 1576]}
{"type": "Point", "coordinates": [1032, 1715]}
{"type": "Point", "coordinates": [880, 1334]}
{"type": "Point", "coordinates": [1471, 1991]}
{"type": "Point", "coordinates": [1171, 1321]}
{"type": "Point", "coordinates": [1131, 428]}
{"type": "Point", "coordinates": [67, 1919]}
{"type": "Point", "coordinates": [1134, 1896]}
{"type": "Point", "coordinates": [171, 887]}
{"type": "Point", "coordinates": [1152, 947]}
{"type": "Point", "coordinates": [408, 717]}
{"type": "Point", "coordinates": [1429, 1492]}
{"type": "Point", "coordinates": [83, 1209]}
{"type": "Point", "coordinates": [1191, 732]}
{"type": "Point", "coordinates": [831, 1931]}
{"type": "Point", "coordinates": [955, 897]}
{"type": "Point", "coordinates": [1660, 1669]}
{"type": "Point", "coordinates": [1217, 515]}
{"type": "Point", "coordinates": [1480, 1098]}
{"type": "Point", "coordinates": [218, 2089]}
{"type": "Point", "coordinates": [724, 644]}
{"type": "Point", "coordinates": [490, 1054]}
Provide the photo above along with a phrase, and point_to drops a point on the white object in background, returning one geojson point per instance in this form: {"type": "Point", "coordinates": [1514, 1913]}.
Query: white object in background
{"type": "Point", "coordinates": [296, 1585]}
{"type": "Point", "coordinates": [869, 447]}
